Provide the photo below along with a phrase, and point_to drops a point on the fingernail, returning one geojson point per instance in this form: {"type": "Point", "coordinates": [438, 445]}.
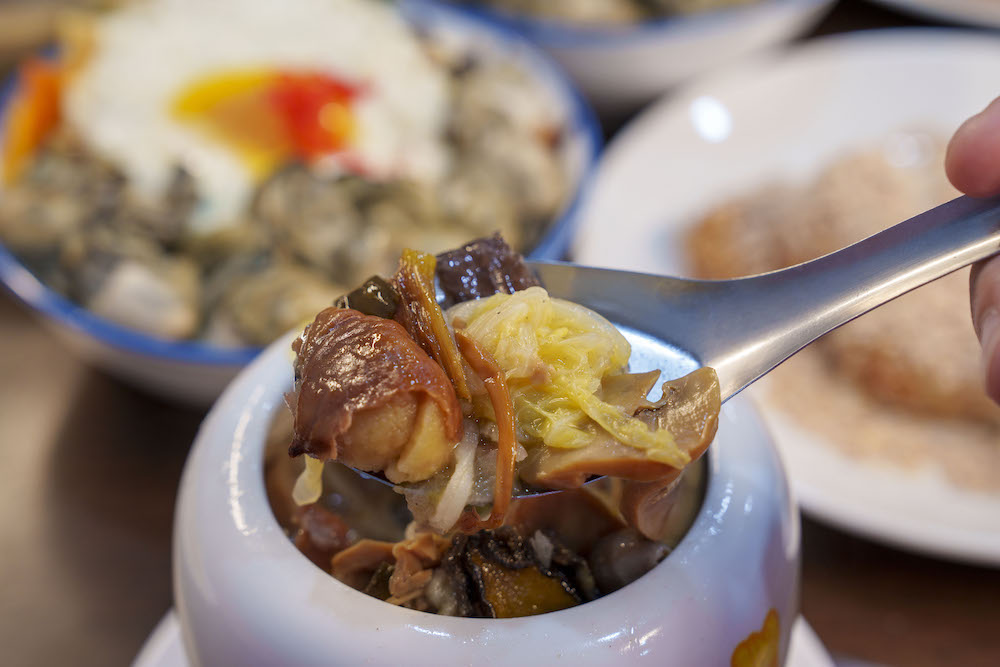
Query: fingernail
{"type": "Point", "coordinates": [989, 336]}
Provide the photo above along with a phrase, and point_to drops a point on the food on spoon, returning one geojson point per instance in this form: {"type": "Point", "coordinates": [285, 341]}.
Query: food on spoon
{"type": "Point", "coordinates": [462, 406]}
{"type": "Point", "coordinates": [312, 144]}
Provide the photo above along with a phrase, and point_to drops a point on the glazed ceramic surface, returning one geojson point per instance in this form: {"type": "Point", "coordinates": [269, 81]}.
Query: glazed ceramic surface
{"type": "Point", "coordinates": [164, 647]}
{"type": "Point", "coordinates": [196, 373]}
{"type": "Point", "coordinates": [246, 596]}
{"type": "Point", "coordinates": [621, 69]}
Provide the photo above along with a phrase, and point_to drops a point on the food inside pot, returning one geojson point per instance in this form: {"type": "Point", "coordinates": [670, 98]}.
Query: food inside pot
{"type": "Point", "coordinates": [463, 409]}
{"type": "Point", "coordinates": [230, 195]}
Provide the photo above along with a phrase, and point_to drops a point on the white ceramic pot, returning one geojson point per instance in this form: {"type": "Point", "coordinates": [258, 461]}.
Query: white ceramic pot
{"type": "Point", "coordinates": [246, 596]}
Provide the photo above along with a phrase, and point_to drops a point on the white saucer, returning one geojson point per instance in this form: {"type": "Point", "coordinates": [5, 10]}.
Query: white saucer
{"type": "Point", "coordinates": [164, 647]}
{"type": "Point", "coordinates": [781, 118]}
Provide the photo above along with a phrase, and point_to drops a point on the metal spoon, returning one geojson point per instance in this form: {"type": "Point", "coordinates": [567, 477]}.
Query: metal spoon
{"type": "Point", "coordinates": [745, 327]}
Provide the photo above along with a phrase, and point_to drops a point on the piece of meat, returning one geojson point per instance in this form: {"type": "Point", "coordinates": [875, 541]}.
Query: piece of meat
{"type": "Point", "coordinates": [321, 534]}
{"type": "Point", "coordinates": [369, 396]}
{"type": "Point", "coordinates": [416, 559]}
{"type": "Point", "coordinates": [355, 565]}
{"type": "Point", "coordinates": [411, 562]}
{"type": "Point", "coordinates": [482, 268]}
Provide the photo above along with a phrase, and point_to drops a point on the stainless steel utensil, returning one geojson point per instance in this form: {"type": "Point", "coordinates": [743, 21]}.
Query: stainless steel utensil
{"type": "Point", "coordinates": [745, 327]}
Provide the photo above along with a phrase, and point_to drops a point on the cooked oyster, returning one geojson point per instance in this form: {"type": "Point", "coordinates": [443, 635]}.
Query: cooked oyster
{"type": "Point", "coordinates": [258, 306]}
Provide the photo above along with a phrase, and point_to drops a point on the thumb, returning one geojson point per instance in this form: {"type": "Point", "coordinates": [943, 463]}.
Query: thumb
{"type": "Point", "coordinates": [985, 289]}
{"type": "Point", "coordinates": [972, 161]}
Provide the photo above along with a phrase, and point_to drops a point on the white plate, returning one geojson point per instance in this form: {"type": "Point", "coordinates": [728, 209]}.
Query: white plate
{"type": "Point", "coordinates": [974, 12]}
{"type": "Point", "coordinates": [164, 647]}
{"type": "Point", "coordinates": [782, 117]}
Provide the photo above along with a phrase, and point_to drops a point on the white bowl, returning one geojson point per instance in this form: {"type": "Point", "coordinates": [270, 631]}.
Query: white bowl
{"type": "Point", "coordinates": [246, 596]}
{"type": "Point", "coordinates": [621, 68]}
{"type": "Point", "coordinates": [196, 373]}
{"type": "Point", "coordinates": [783, 119]}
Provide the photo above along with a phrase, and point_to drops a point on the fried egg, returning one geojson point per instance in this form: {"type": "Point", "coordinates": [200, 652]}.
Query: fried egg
{"type": "Point", "coordinates": [230, 90]}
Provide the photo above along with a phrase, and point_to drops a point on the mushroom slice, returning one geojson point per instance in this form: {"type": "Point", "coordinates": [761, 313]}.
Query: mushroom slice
{"type": "Point", "coordinates": [689, 410]}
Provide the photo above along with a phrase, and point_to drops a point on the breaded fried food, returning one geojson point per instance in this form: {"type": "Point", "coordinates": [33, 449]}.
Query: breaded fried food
{"type": "Point", "coordinates": [918, 352]}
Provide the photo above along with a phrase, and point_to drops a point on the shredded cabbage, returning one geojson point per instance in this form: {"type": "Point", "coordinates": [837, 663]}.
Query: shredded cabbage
{"type": "Point", "coordinates": [555, 355]}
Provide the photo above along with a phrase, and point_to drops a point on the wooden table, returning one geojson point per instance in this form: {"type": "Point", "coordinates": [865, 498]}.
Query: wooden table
{"type": "Point", "coordinates": [89, 469]}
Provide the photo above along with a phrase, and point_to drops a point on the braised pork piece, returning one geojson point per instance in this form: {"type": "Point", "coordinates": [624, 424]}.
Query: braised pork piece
{"type": "Point", "coordinates": [506, 388]}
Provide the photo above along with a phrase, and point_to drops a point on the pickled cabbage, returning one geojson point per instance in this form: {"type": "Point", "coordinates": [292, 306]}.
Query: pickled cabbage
{"type": "Point", "coordinates": [556, 354]}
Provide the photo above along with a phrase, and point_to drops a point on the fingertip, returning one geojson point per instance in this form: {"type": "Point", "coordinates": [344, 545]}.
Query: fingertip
{"type": "Point", "coordinates": [985, 302]}
{"type": "Point", "coordinates": [956, 156]}
{"type": "Point", "coordinates": [991, 359]}
{"type": "Point", "coordinates": [972, 159]}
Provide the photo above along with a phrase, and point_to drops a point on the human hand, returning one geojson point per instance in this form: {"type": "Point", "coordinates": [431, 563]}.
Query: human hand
{"type": "Point", "coordinates": [973, 166]}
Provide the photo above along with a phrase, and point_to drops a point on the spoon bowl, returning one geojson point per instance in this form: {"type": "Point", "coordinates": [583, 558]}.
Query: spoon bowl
{"type": "Point", "coordinates": [745, 327]}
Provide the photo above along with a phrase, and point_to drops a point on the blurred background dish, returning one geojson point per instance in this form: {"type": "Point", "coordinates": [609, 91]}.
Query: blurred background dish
{"type": "Point", "coordinates": [604, 14]}
{"type": "Point", "coordinates": [169, 242]}
{"type": "Point", "coordinates": [973, 12]}
{"type": "Point", "coordinates": [882, 423]}
{"type": "Point", "coordinates": [623, 53]}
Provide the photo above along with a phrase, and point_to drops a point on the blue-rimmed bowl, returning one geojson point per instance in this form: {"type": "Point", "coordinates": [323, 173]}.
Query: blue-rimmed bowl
{"type": "Point", "coordinates": [194, 372]}
{"type": "Point", "coordinates": [620, 68]}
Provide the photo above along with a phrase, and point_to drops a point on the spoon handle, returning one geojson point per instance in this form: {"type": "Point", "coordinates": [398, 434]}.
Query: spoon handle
{"type": "Point", "coordinates": [769, 317]}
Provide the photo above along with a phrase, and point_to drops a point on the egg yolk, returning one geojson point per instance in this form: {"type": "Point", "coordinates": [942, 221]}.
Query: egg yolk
{"type": "Point", "coordinates": [269, 117]}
